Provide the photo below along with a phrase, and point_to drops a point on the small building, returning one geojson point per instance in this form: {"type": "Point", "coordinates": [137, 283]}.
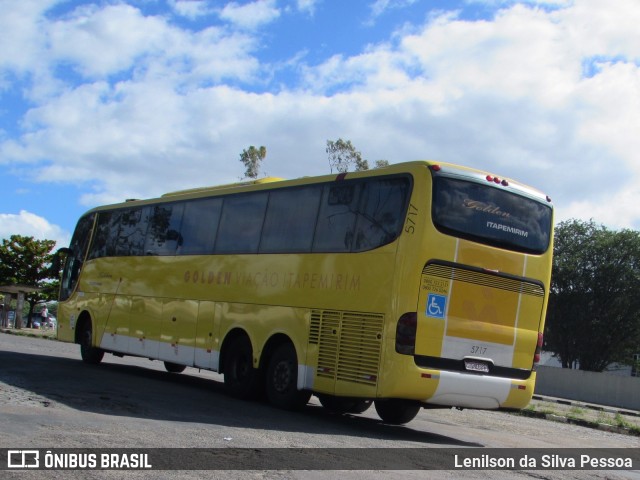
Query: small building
{"type": "Point", "coordinates": [19, 291]}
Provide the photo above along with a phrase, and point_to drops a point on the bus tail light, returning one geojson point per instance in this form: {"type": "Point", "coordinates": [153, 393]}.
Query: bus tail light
{"type": "Point", "coordinates": [497, 180]}
{"type": "Point", "coordinates": [406, 333]}
{"type": "Point", "coordinates": [536, 355]}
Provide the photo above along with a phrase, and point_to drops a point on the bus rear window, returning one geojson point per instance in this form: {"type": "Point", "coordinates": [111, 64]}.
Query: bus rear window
{"type": "Point", "coordinates": [491, 215]}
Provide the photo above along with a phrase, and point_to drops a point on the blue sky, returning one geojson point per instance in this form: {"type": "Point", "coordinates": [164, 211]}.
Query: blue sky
{"type": "Point", "coordinates": [106, 100]}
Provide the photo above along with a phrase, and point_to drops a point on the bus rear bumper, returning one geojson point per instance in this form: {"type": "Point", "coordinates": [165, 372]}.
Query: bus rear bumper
{"type": "Point", "coordinates": [466, 390]}
{"type": "Point", "coordinates": [480, 391]}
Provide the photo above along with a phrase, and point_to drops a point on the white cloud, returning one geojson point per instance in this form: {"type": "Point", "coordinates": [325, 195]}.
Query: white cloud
{"type": "Point", "coordinates": [30, 225]}
{"type": "Point", "coordinates": [251, 15]}
{"type": "Point", "coordinates": [190, 8]}
{"type": "Point", "coordinates": [101, 41]}
{"type": "Point", "coordinates": [308, 6]}
{"type": "Point", "coordinates": [21, 40]}
{"type": "Point", "coordinates": [509, 94]}
{"type": "Point", "coordinates": [379, 7]}
{"type": "Point", "coordinates": [617, 210]}
{"type": "Point", "coordinates": [150, 46]}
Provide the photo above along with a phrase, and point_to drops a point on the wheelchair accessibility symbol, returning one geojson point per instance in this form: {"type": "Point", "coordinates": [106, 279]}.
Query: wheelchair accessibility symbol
{"type": "Point", "coordinates": [436, 305]}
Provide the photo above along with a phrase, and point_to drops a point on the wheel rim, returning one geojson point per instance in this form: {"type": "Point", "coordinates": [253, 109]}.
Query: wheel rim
{"type": "Point", "coordinates": [282, 376]}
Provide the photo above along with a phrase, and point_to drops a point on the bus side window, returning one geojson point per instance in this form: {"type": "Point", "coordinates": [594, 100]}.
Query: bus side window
{"type": "Point", "coordinates": [291, 220]}
{"type": "Point", "coordinates": [102, 245]}
{"type": "Point", "coordinates": [164, 235]}
{"type": "Point", "coordinates": [199, 226]}
{"type": "Point", "coordinates": [336, 221]}
{"type": "Point", "coordinates": [133, 230]}
{"type": "Point", "coordinates": [381, 218]}
{"type": "Point", "coordinates": [241, 223]}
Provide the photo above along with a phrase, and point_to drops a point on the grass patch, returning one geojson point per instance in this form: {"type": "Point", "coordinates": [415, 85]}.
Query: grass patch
{"type": "Point", "coordinates": [576, 413]}
{"type": "Point", "coordinates": [541, 409]}
{"type": "Point", "coordinates": [621, 422]}
{"type": "Point", "coordinates": [548, 411]}
{"type": "Point", "coordinates": [583, 416]}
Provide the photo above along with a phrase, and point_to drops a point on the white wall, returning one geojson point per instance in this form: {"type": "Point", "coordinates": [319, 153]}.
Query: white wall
{"type": "Point", "coordinates": [590, 387]}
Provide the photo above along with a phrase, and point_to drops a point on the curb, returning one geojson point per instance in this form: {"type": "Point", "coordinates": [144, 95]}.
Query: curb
{"type": "Point", "coordinates": [600, 408]}
{"type": "Point", "coordinates": [576, 421]}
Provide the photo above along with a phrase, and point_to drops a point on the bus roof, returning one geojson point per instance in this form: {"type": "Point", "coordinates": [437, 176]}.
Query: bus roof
{"type": "Point", "coordinates": [227, 186]}
{"type": "Point", "coordinates": [405, 167]}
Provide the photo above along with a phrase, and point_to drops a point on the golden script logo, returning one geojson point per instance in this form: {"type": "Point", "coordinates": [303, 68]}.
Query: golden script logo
{"type": "Point", "coordinates": [479, 206]}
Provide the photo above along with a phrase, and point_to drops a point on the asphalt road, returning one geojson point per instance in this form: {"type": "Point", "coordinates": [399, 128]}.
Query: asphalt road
{"type": "Point", "coordinates": [50, 399]}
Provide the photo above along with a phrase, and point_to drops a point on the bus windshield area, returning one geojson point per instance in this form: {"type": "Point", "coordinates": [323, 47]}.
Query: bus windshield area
{"type": "Point", "coordinates": [491, 215]}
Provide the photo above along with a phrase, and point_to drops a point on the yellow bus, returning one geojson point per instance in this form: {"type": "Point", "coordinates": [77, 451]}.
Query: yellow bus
{"type": "Point", "coordinates": [417, 285]}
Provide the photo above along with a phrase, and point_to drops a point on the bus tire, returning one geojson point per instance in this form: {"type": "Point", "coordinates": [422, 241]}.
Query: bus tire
{"type": "Point", "coordinates": [88, 352]}
{"type": "Point", "coordinates": [342, 405]}
{"type": "Point", "coordinates": [282, 379]}
{"type": "Point", "coordinates": [174, 367]}
{"type": "Point", "coordinates": [396, 411]}
{"type": "Point", "coordinates": [240, 378]}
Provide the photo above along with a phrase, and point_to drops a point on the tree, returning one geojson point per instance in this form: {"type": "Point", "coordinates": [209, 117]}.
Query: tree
{"type": "Point", "coordinates": [252, 158]}
{"type": "Point", "coordinates": [381, 163]}
{"type": "Point", "coordinates": [26, 261]}
{"type": "Point", "coordinates": [593, 317]}
{"type": "Point", "coordinates": [342, 155]}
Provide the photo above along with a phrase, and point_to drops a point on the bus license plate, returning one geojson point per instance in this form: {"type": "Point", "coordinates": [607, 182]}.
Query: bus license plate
{"type": "Point", "coordinates": [476, 366]}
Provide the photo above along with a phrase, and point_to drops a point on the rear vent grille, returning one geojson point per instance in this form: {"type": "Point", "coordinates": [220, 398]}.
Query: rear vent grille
{"type": "Point", "coordinates": [478, 277]}
{"type": "Point", "coordinates": [349, 345]}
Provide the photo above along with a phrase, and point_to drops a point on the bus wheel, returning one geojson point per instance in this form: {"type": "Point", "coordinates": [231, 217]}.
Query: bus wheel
{"type": "Point", "coordinates": [174, 367]}
{"type": "Point", "coordinates": [88, 352]}
{"type": "Point", "coordinates": [342, 405]}
{"type": "Point", "coordinates": [240, 378]}
{"type": "Point", "coordinates": [396, 411]}
{"type": "Point", "coordinates": [282, 379]}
